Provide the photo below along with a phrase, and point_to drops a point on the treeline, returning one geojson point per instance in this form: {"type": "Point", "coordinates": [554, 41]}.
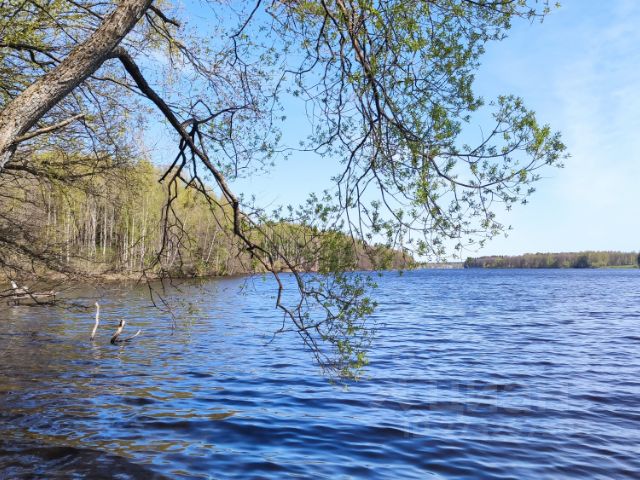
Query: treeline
{"type": "Point", "coordinates": [587, 259]}
{"type": "Point", "coordinates": [117, 221]}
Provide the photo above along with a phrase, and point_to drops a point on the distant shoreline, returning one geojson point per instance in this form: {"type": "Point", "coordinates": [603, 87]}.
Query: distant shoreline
{"type": "Point", "coordinates": [577, 260]}
{"type": "Point", "coordinates": [460, 266]}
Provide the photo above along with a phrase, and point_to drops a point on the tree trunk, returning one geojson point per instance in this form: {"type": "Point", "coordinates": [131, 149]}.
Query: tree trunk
{"type": "Point", "coordinates": [31, 105]}
{"type": "Point", "coordinates": [68, 239]}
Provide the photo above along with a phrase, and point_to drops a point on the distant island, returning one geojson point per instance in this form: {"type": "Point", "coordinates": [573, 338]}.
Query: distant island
{"type": "Point", "coordinates": [589, 259]}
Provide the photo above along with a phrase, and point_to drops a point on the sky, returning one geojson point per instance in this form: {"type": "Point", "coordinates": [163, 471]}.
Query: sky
{"type": "Point", "coordinates": [579, 71]}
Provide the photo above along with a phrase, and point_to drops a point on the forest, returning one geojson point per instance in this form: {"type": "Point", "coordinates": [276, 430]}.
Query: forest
{"type": "Point", "coordinates": [588, 259]}
{"type": "Point", "coordinates": [118, 221]}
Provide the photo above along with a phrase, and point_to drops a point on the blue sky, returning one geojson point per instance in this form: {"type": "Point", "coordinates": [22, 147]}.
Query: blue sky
{"type": "Point", "coordinates": [580, 71]}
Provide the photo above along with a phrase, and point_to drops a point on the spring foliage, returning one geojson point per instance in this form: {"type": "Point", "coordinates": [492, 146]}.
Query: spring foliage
{"type": "Point", "coordinates": [74, 220]}
{"type": "Point", "coordinates": [387, 88]}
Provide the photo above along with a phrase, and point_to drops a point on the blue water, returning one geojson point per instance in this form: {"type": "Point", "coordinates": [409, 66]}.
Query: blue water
{"type": "Point", "coordinates": [474, 374]}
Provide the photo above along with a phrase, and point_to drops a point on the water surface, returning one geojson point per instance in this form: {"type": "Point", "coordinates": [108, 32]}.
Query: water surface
{"type": "Point", "coordinates": [474, 373]}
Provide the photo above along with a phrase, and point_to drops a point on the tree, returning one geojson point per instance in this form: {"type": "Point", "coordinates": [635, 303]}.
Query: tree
{"type": "Point", "coordinates": [388, 88]}
{"type": "Point", "coordinates": [582, 262]}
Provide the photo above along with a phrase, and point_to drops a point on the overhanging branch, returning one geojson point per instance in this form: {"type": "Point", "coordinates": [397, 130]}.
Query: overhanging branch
{"type": "Point", "coordinates": [163, 17]}
{"type": "Point", "coordinates": [259, 252]}
{"type": "Point", "coordinates": [48, 129]}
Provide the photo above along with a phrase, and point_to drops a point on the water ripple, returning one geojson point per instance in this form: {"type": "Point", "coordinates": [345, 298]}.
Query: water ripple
{"type": "Point", "coordinates": [474, 374]}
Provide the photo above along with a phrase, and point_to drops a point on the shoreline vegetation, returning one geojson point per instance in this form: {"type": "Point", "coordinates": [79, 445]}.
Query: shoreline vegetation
{"type": "Point", "coordinates": [115, 226]}
{"type": "Point", "coordinates": [586, 259]}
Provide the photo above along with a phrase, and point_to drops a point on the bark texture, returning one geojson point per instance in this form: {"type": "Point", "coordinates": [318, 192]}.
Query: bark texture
{"type": "Point", "coordinates": [22, 113]}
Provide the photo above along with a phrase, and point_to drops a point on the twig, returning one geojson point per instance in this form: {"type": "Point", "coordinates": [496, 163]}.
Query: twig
{"type": "Point", "coordinates": [48, 129]}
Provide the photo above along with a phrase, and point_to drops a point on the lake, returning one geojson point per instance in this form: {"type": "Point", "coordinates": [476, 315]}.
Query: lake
{"type": "Point", "coordinates": [474, 374]}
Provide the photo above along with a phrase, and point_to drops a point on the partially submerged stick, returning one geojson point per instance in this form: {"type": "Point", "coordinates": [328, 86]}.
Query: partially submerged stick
{"type": "Point", "coordinates": [23, 294]}
{"type": "Point", "coordinates": [132, 336]}
{"type": "Point", "coordinates": [115, 339]}
{"type": "Point", "coordinates": [95, 328]}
